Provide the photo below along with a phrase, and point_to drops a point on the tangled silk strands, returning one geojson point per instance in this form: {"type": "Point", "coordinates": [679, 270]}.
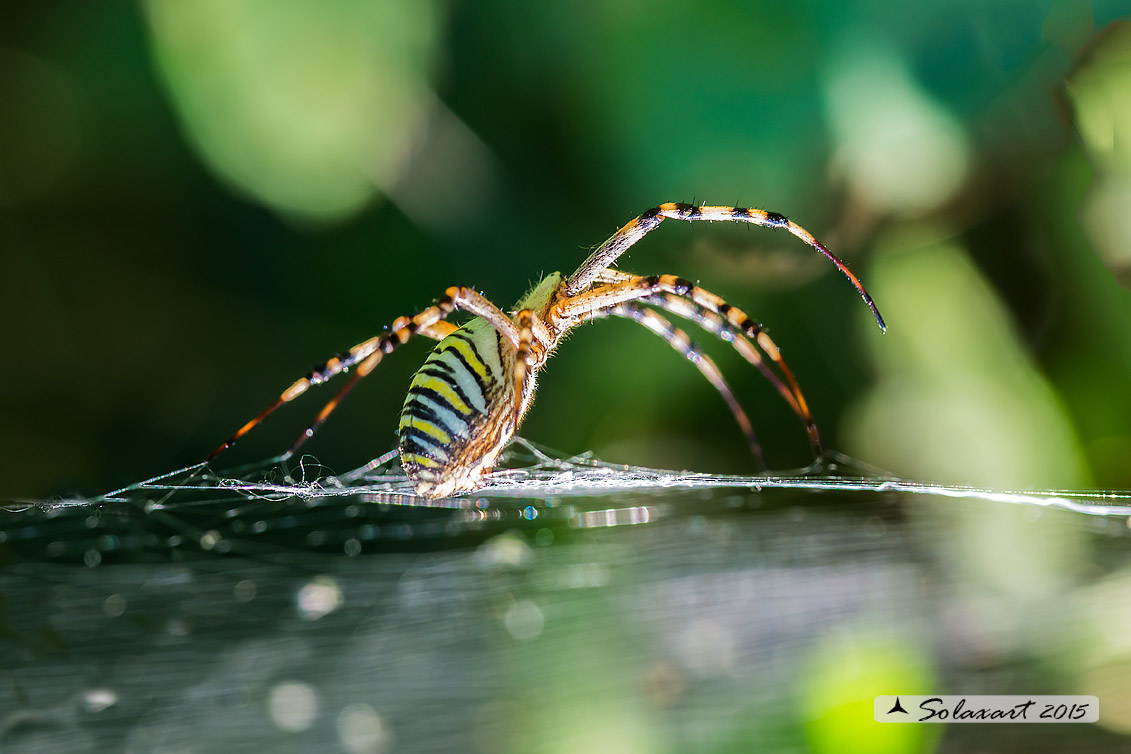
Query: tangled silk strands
{"type": "Point", "coordinates": [538, 473]}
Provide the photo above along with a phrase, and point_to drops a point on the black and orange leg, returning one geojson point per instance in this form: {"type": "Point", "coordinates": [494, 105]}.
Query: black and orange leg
{"type": "Point", "coordinates": [747, 341]}
{"type": "Point", "coordinates": [622, 287]}
{"type": "Point", "coordinates": [524, 320]}
{"type": "Point", "coordinates": [680, 341]}
{"type": "Point", "coordinates": [607, 253]}
{"type": "Point", "coordinates": [367, 354]}
{"type": "Point", "coordinates": [533, 339]}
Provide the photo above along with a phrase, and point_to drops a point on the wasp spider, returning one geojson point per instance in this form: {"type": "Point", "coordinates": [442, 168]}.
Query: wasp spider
{"type": "Point", "coordinates": [466, 402]}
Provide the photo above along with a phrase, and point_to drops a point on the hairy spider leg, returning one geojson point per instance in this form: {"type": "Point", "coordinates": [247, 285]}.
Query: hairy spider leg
{"type": "Point", "coordinates": [635, 287]}
{"type": "Point", "coordinates": [731, 324]}
{"type": "Point", "coordinates": [721, 328]}
{"type": "Point", "coordinates": [525, 323]}
{"type": "Point", "coordinates": [682, 343]}
{"type": "Point", "coordinates": [610, 250]}
{"type": "Point", "coordinates": [362, 370]}
{"type": "Point", "coordinates": [533, 340]}
{"type": "Point", "coordinates": [430, 323]}
{"type": "Point", "coordinates": [712, 313]}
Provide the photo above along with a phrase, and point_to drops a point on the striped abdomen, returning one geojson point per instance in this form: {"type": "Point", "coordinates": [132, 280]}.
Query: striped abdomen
{"type": "Point", "coordinates": [459, 411]}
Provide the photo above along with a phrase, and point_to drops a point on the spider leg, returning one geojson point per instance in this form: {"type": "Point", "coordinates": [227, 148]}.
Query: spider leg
{"type": "Point", "coordinates": [729, 331]}
{"type": "Point", "coordinates": [369, 353]}
{"type": "Point", "coordinates": [533, 340]}
{"type": "Point", "coordinates": [363, 369]}
{"type": "Point", "coordinates": [610, 250]}
{"type": "Point", "coordinates": [623, 287]}
{"type": "Point", "coordinates": [749, 349]}
{"type": "Point", "coordinates": [724, 330]}
{"type": "Point", "coordinates": [680, 341]}
{"type": "Point", "coordinates": [525, 322]}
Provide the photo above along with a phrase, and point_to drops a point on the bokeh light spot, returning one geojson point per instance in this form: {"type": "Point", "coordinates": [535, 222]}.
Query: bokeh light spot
{"type": "Point", "coordinates": [524, 620]}
{"type": "Point", "coordinates": [309, 108]}
{"type": "Point", "coordinates": [319, 598]}
{"type": "Point", "coordinates": [899, 150]}
{"type": "Point", "coordinates": [362, 731]}
{"type": "Point", "coordinates": [292, 706]}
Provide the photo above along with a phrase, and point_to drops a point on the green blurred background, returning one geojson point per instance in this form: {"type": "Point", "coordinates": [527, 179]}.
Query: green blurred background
{"type": "Point", "coordinates": [200, 200]}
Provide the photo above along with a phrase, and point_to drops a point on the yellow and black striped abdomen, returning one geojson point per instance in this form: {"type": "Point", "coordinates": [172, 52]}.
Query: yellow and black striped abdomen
{"type": "Point", "coordinates": [453, 406]}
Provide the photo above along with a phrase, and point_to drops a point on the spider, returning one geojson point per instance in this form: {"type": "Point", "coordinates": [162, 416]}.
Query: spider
{"type": "Point", "coordinates": [469, 397]}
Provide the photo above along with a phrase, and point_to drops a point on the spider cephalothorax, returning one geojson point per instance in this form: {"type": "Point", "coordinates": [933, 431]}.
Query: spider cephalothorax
{"type": "Point", "coordinates": [466, 401]}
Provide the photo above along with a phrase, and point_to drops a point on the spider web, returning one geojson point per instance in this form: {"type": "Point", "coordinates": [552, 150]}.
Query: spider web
{"type": "Point", "coordinates": [266, 507]}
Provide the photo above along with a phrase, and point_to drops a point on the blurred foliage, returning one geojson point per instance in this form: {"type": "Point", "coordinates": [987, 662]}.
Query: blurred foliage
{"type": "Point", "coordinates": [846, 667]}
{"type": "Point", "coordinates": [962, 372]}
{"type": "Point", "coordinates": [201, 200]}
{"type": "Point", "coordinates": [307, 106]}
{"type": "Point", "coordinates": [1098, 90]}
